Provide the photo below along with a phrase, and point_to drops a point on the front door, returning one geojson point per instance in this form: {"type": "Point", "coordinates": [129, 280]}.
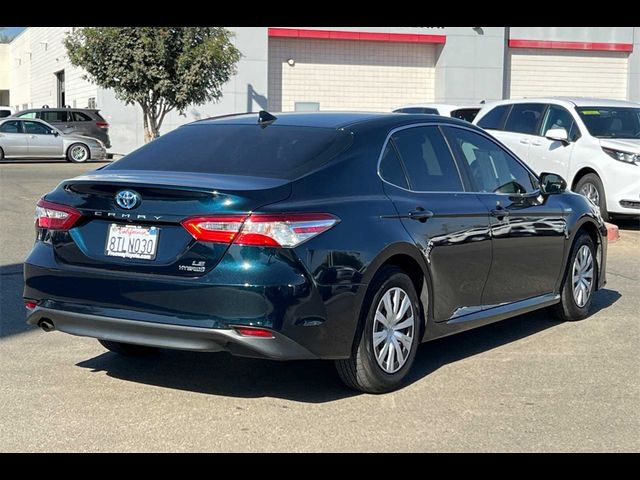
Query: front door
{"type": "Point", "coordinates": [528, 230]}
{"type": "Point", "coordinates": [551, 155]}
{"type": "Point", "coordinates": [42, 141]}
{"type": "Point", "coordinates": [12, 140]}
{"type": "Point", "coordinates": [448, 225]}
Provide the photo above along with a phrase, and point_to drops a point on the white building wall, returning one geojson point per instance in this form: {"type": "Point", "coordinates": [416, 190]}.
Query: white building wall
{"type": "Point", "coordinates": [5, 71]}
{"type": "Point", "coordinates": [49, 57]}
{"type": "Point", "coordinates": [20, 65]}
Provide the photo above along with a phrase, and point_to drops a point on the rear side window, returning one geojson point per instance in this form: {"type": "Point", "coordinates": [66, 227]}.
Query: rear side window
{"type": "Point", "coordinates": [79, 117]}
{"type": "Point", "coordinates": [427, 159]}
{"type": "Point", "coordinates": [4, 113]}
{"type": "Point", "coordinates": [495, 118]}
{"type": "Point", "coordinates": [391, 169]}
{"type": "Point", "coordinates": [55, 116]}
{"type": "Point", "coordinates": [525, 118]}
{"type": "Point", "coordinates": [284, 152]}
{"type": "Point", "coordinates": [466, 114]}
{"type": "Point", "coordinates": [430, 111]}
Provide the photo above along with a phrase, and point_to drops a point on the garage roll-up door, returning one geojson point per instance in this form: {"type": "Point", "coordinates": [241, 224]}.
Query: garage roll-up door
{"type": "Point", "coordinates": [539, 73]}
{"type": "Point", "coordinates": [315, 74]}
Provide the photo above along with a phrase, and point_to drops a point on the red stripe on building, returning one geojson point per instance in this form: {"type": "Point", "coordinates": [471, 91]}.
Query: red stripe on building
{"type": "Point", "coordinates": [361, 36]}
{"type": "Point", "coordinates": [594, 46]}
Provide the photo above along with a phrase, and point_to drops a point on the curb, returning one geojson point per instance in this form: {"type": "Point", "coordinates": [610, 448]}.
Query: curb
{"type": "Point", "coordinates": [613, 233]}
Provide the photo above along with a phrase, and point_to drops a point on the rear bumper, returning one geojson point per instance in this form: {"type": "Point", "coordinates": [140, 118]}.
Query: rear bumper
{"type": "Point", "coordinates": [172, 336]}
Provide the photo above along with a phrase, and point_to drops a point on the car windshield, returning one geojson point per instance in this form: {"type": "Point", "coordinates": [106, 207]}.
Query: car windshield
{"type": "Point", "coordinates": [611, 122]}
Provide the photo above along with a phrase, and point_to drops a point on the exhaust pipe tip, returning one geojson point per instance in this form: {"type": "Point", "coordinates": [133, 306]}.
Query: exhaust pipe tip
{"type": "Point", "coordinates": [46, 325]}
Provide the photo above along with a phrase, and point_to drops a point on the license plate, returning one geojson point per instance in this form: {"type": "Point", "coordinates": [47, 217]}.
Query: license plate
{"type": "Point", "coordinates": [129, 241]}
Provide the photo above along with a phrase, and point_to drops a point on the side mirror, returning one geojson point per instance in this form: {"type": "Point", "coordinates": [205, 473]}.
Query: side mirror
{"type": "Point", "coordinates": [551, 183]}
{"type": "Point", "coordinates": [558, 135]}
{"type": "Point", "coordinates": [55, 133]}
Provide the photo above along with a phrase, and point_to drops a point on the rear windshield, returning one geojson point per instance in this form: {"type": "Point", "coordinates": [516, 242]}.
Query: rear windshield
{"type": "Point", "coordinates": [275, 151]}
{"type": "Point", "coordinates": [430, 111]}
{"type": "Point", "coordinates": [611, 122]}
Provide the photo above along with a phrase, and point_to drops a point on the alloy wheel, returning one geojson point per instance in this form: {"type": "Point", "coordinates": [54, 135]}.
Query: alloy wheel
{"type": "Point", "coordinates": [79, 153]}
{"type": "Point", "coordinates": [590, 191]}
{"type": "Point", "coordinates": [583, 273]}
{"type": "Point", "coordinates": [393, 330]}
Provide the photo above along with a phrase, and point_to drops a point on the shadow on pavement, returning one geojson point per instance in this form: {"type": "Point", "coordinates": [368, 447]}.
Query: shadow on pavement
{"type": "Point", "coordinates": [627, 223]}
{"type": "Point", "coordinates": [12, 312]}
{"type": "Point", "coordinates": [310, 381]}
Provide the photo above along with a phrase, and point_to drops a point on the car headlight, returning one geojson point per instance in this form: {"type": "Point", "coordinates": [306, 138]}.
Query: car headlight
{"type": "Point", "coordinates": [626, 157]}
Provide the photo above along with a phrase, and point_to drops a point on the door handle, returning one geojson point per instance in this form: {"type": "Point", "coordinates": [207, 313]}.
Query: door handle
{"type": "Point", "coordinates": [500, 212]}
{"type": "Point", "coordinates": [32, 136]}
{"type": "Point", "coordinates": [537, 144]}
{"type": "Point", "coordinates": [420, 214]}
{"type": "Point", "coordinates": [524, 141]}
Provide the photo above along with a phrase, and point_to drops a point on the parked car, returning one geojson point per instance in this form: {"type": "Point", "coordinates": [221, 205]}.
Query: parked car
{"type": "Point", "coordinates": [83, 121]}
{"type": "Point", "coordinates": [593, 143]}
{"type": "Point", "coordinates": [38, 139]}
{"type": "Point", "coordinates": [250, 234]}
{"type": "Point", "coordinates": [466, 113]}
{"type": "Point", "coordinates": [5, 112]}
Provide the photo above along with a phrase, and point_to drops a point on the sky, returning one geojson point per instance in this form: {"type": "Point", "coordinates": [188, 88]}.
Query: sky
{"type": "Point", "coordinates": [12, 31]}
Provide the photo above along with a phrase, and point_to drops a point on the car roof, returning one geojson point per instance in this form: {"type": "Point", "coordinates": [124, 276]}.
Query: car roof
{"type": "Point", "coordinates": [444, 106]}
{"type": "Point", "coordinates": [569, 101]}
{"type": "Point", "coordinates": [328, 119]}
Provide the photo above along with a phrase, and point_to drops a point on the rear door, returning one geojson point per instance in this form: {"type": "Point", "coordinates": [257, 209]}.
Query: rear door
{"type": "Point", "coordinates": [57, 118]}
{"type": "Point", "coordinates": [12, 139]}
{"type": "Point", "coordinates": [521, 128]}
{"type": "Point", "coordinates": [42, 142]}
{"type": "Point", "coordinates": [448, 225]}
{"type": "Point", "coordinates": [528, 230]}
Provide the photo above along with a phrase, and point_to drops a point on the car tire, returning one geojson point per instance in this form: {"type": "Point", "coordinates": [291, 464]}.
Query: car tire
{"type": "Point", "coordinates": [1, 154]}
{"type": "Point", "coordinates": [591, 187]}
{"type": "Point", "coordinates": [370, 369]}
{"type": "Point", "coordinates": [572, 307]}
{"type": "Point", "coordinates": [78, 153]}
{"type": "Point", "coordinates": [126, 349]}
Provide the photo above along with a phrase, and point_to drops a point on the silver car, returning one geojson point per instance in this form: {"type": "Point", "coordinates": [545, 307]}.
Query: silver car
{"type": "Point", "coordinates": [37, 139]}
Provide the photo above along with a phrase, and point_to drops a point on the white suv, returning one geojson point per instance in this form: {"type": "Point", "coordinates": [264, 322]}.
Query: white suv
{"type": "Point", "coordinates": [594, 144]}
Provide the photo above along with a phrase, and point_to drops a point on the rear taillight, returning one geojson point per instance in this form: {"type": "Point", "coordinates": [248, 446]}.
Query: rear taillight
{"type": "Point", "coordinates": [102, 125]}
{"type": "Point", "coordinates": [55, 216]}
{"type": "Point", "coordinates": [268, 230]}
{"type": "Point", "coordinates": [254, 332]}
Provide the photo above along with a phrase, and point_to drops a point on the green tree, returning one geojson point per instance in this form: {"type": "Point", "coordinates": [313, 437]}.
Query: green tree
{"type": "Point", "coordinates": [159, 68]}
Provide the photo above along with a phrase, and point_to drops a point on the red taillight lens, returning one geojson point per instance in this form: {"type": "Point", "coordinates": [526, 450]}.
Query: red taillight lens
{"type": "Point", "coordinates": [268, 230]}
{"type": "Point", "coordinates": [55, 216]}
{"type": "Point", "coordinates": [102, 124]}
{"type": "Point", "coordinates": [254, 332]}
{"type": "Point", "coordinates": [30, 304]}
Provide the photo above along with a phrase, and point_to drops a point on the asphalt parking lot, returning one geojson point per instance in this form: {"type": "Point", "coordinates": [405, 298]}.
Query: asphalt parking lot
{"type": "Point", "coordinates": [526, 384]}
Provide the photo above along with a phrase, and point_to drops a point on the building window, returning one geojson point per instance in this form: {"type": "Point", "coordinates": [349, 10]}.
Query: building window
{"type": "Point", "coordinates": [92, 102]}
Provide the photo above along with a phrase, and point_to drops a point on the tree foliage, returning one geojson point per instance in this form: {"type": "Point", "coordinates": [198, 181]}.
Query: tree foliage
{"type": "Point", "coordinates": [160, 68]}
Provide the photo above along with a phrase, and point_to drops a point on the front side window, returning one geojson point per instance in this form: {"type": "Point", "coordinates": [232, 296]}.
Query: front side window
{"type": "Point", "coordinates": [492, 169]}
{"type": "Point", "coordinates": [611, 122]}
{"type": "Point", "coordinates": [10, 127]}
{"type": "Point", "coordinates": [35, 128]}
{"type": "Point", "coordinates": [525, 118]}
{"type": "Point", "coordinates": [427, 159]}
{"type": "Point", "coordinates": [559, 117]}
{"type": "Point", "coordinates": [28, 115]}
{"type": "Point", "coordinates": [495, 118]}
{"type": "Point", "coordinates": [59, 116]}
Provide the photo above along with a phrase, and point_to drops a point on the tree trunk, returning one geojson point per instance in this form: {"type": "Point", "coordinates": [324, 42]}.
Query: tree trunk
{"type": "Point", "coordinates": [151, 128]}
